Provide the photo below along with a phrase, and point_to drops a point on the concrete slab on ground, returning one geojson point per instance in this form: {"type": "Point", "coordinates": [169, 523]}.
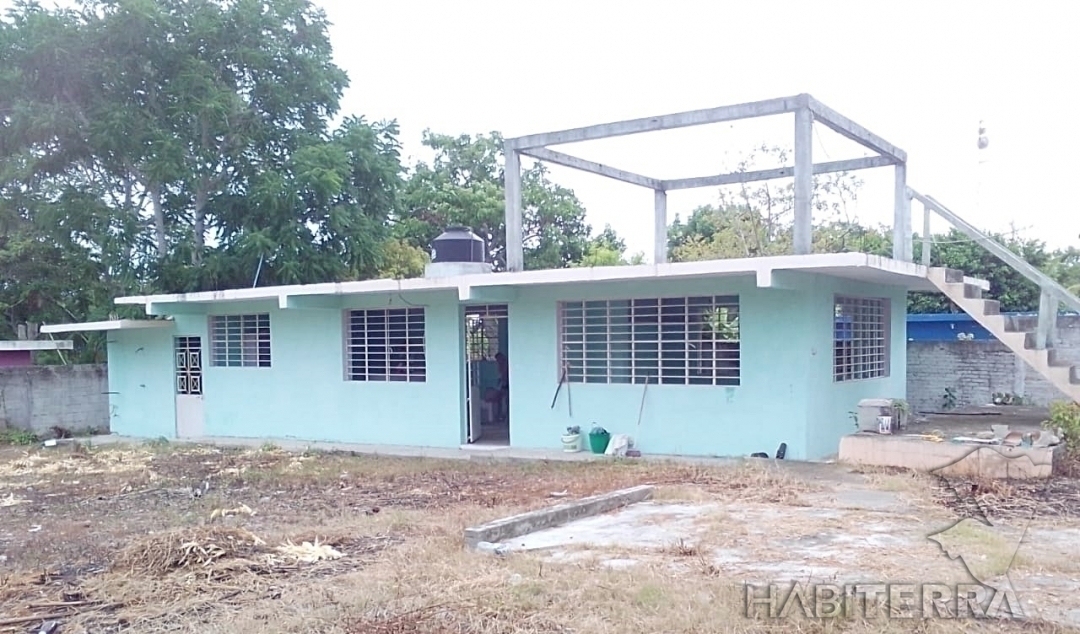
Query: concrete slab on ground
{"type": "Point", "coordinates": [523, 523]}
{"type": "Point", "coordinates": [853, 537]}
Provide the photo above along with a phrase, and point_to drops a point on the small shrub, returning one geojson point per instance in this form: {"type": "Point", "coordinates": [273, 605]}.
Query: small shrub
{"type": "Point", "coordinates": [18, 437]}
{"type": "Point", "coordinates": [1065, 415]}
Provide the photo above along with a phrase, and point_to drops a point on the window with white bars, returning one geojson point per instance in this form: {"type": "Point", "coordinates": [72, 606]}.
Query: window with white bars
{"type": "Point", "coordinates": [240, 341]}
{"type": "Point", "coordinates": [674, 340]}
{"type": "Point", "coordinates": [385, 344]}
{"type": "Point", "coordinates": [861, 338]}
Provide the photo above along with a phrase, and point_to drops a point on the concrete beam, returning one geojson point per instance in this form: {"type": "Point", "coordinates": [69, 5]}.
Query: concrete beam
{"type": "Point", "coordinates": [804, 181]}
{"type": "Point", "coordinates": [848, 128]}
{"type": "Point", "coordinates": [780, 280]}
{"type": "Point", "coordinates": [749, 110]}
{"type": "Point", "coordinates": [660, 227]}
{"type": "Point", "coordinates": [309, 302]}
{"type": "Point", "coordinates": [779, 172]}
{"type": "Point", "coordinates": [518, 525]}
{"type": "Point", "coordinates": [162, 310]}
{"type": "Point", "coordinates": [551, 156]}
{"type": "Point", "coordinates": [515, 248]}
{"type": "Point", "coordinates": [487, 294]}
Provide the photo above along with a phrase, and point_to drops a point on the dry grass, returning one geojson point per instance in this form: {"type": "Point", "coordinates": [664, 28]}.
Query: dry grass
{"type": "Point", "coordinates": [130, 548]}
{"type": "Point", "coordinates": [202, 549]}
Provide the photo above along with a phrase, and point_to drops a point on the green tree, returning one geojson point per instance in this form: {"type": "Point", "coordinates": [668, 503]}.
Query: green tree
{"type": "Point", "coordinates": [185, 144]}
{"type": "Point", "coordinates": [1015, 292]}
{"type": "Point", "coordinates": [463, 185]}
{"type": "Point", "coordinates": [608, 249]}
{"type": "Point", "coordinates": [755, 219]}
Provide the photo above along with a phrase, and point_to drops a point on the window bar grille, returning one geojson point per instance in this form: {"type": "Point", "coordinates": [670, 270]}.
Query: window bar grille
{"type": "Point", "coordinates": [682, 340]}
{"type": "Point", "coordinates": [188, 355]}
{"type": "Point", "coordinates": [860, 338]}
{"type": "Point", "coordinates": [386, 345]}
{"type": "Point", "coordinates": [240, 341]}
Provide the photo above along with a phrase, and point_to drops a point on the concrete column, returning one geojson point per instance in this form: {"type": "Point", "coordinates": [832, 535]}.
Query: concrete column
{"type": "Point", "coordinates": [902, 245]}
{"type": "Point", "coordinates": [660, 227]}
{"type": "Point", "coordinates": [804, 181]}
{"type": "Point", "coordinates": [1044, 330]}
{"type": "Point", "coordinates": [515, 254]}
{"type": "Point", "coordinates": [925, 235]}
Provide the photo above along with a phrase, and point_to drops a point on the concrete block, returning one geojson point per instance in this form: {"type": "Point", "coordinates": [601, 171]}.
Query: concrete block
{"type": "Point", "coordinates": [517, 525]}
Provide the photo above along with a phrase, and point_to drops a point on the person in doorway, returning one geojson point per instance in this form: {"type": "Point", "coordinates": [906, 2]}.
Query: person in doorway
{"type": "Point", "coordinates": [499, 397]}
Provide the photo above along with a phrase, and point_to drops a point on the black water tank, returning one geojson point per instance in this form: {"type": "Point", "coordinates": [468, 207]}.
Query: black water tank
{"type": "Point", "coordinates": [458, 244]}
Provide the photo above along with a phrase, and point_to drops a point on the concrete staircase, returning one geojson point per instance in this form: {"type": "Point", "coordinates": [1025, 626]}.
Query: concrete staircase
{"type": "Point", "coordinates": [1035, 347]}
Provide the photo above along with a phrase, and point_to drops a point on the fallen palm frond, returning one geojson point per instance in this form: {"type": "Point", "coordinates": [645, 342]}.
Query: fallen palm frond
{"type": "Point", "coordinates": [243, 509]}
{"type": "Point", "coordinates": [309, 552]}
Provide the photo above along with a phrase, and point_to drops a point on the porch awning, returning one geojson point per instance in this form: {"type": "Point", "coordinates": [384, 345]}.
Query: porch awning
{"type": "Point", "coordinates": [113, 324]}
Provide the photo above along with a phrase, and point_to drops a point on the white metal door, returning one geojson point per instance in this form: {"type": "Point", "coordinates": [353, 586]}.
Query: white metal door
{"type": "Point", "coordinates": [189, 386]}
{"type": "Point", "coordinates": [473, 400]}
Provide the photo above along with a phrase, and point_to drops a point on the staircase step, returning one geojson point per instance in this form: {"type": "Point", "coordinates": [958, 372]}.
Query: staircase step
{"type": "Point", "coordinates": [1029, 342]}
{"type": "Point", "coordinates": [991, 307]}
{"type": "Point", "coordinates": [1053, 359]}
{"type": "Point", "coordinates": [972, 292]}
{"type": "Point", "coordinates": [1074, 375]}
{"type": "Point", "coordinates": [954, 276]}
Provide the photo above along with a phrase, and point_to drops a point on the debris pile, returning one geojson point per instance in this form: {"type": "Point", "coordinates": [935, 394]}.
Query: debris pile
{"type": "Point", "coordinates": [191, 548]}
{"type": "Point", "coordinates": [1001, 435]}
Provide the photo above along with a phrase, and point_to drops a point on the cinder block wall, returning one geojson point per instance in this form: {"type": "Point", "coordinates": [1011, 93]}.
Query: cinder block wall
{"type": "Point", "coordinates": [975, 370]}
{"type": "Point", "coordinates": [38, 398]}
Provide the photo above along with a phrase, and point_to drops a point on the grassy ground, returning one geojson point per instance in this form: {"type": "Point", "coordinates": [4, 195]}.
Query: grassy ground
{"type": "Point", "coordinates": [161, 538]}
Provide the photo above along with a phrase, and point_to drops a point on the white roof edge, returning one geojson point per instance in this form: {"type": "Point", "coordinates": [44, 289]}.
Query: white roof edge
{"type": "Point", "coordinates": [749, 266]}
{"type": "Point", "coordinates": [37, 344]}
{"type": "Point", "coordinates": [114, 324]}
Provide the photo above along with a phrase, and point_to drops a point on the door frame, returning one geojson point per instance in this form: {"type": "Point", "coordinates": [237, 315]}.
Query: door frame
{"type": "Point", "coordinates": [188, 385]}
{"type": "Point", "coordinates": [473, 398]}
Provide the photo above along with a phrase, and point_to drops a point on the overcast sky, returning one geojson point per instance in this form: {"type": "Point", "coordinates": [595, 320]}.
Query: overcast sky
{"type": "Point", "coordinates": [919, 73]}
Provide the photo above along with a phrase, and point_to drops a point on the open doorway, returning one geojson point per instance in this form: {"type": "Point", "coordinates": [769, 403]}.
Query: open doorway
{"type": "Point", "coordinates": [487, 384]}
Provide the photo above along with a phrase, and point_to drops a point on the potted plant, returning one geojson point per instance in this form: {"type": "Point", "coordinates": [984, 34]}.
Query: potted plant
{"type": "Point", "coordinates": [598, 439]}
{"type": "Point", "coordinates": [901, 412]}
{"type": "Point", "coordinates": [571, 440]}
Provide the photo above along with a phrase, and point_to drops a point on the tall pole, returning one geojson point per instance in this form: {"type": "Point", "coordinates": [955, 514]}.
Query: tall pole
{"type": "Point", "coordinates": [980, 169]}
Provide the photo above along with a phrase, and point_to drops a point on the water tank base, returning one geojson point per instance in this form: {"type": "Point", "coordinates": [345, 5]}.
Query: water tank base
{"type": "Point", "coordinates": [451, 269]}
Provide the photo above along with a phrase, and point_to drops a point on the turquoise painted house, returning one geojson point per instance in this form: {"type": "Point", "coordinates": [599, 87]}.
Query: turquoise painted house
{"type": "Point", "coordinates": [713, 358]}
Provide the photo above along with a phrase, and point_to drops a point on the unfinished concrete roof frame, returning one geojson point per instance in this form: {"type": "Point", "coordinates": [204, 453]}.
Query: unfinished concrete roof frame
{"type": "Point", "coordinates": [806, 110]}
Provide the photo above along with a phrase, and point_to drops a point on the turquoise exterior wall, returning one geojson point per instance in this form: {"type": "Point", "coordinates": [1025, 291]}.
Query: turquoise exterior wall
{"type": "Point", "coordinates": [831, 402]}
{"type": "Point", "coordinates": [142, 398]}
{"type": "Point", "coordinates": [756, 416]}
{"type": "Point", "coordinates": [304, 393]}
{"type": "Point", "coordinates": [786, 392]}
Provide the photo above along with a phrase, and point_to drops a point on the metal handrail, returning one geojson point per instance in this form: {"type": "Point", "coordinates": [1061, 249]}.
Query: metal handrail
{"type": "Point", "coordinates": [1046, 283]}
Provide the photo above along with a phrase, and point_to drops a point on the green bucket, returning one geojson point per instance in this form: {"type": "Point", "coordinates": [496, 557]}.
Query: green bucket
{"type": "Point", "coordinates": [599, 442]}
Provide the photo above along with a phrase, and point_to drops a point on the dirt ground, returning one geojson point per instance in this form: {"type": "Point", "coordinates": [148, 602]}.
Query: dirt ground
{"type": "Point", "coordinates": [169, 538]}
